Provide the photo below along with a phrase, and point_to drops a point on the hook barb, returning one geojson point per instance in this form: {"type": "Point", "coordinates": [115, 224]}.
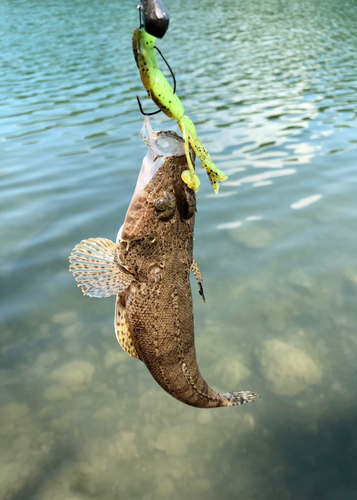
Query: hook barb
{"type": "Point", "coordinates": [142, 111]}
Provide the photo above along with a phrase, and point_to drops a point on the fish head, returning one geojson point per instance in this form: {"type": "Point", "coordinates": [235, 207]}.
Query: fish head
{"type": "Point", "coordinates": [162, 211]}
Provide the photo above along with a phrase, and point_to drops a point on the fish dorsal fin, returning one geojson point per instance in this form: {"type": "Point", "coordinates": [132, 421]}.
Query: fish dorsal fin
{"type": "Point", "coordinates": [95, 266]}
{"type": "Point", "coordinates": [197, 274]}
{"type": "Point", "coordinates": [122, 331]}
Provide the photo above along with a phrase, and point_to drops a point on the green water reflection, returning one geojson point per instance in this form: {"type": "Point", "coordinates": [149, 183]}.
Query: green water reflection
{"type": "Point", "coordinates": [272, 88]}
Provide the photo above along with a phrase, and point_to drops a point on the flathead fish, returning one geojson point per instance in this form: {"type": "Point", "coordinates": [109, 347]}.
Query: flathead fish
{"type": "Point", "coordinates": [148, 268]}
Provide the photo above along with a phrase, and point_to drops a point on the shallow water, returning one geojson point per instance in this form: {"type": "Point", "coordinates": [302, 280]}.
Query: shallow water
{"type": "Point", "coordinates": [272, 88]}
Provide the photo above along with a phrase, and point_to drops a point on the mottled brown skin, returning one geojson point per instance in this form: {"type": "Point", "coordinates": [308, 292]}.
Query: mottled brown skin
{"type": "Point", "coordinates": [157, 248]}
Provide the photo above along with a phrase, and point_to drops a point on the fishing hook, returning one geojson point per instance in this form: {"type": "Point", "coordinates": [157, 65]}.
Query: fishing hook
{"type": "Point", "coordinates": [173, 77]}
{"type": "Point", "coordinates": [142, 111]}
{"type": "Point", "coordinates": [167, 64]}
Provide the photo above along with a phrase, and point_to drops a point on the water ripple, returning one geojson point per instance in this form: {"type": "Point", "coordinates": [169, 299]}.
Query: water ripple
{"type": "Point", "coordinates": [271, 86]}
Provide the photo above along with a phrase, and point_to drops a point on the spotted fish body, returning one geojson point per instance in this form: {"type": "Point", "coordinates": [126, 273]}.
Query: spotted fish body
{"type": "Point", "coordinates": [152, 259]}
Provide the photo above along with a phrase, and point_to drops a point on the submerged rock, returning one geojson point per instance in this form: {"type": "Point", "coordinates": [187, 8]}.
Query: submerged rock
{"type": "Point", "coordinates": [65, 318]}
{"type": "Point", "coordinates": [231, 371]}
{"type": "Point", "coordinates": [56, 392]}
{"type": "Point", "coordinates": [73, 374]}
{"type": "Point", "coordinates": [288, 369]}
{"type": "Point", "coordinates": [252, 236]}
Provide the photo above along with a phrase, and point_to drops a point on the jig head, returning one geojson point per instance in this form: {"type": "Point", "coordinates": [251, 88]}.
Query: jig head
{"type": "Point", "coordinates": [155, 17]}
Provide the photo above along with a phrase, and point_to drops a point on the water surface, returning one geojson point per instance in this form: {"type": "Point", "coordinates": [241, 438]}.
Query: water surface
{"type": "Point", "coordinates": [272, 89]}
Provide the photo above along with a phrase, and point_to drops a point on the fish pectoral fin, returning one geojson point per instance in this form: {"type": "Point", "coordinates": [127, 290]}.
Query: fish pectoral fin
{"type": "Point", "coordinates": [122, 331]}
{"type": "Point", "coordinates": [197, 274]}
{"type": "Point", "coordinates": [96, 268]}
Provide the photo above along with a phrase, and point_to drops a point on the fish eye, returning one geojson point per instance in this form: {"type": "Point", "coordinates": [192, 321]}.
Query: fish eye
{"type": "Point", "coordinates": [165, 205]}
{"type": "Point", "coordinates": [161, 204]}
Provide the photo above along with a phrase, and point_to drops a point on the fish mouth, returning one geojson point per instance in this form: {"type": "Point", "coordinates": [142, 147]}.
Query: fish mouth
{"type": "Point", "coordinates": [161, 145]}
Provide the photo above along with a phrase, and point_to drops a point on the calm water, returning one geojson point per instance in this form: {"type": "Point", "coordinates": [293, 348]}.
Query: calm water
{"type": "Point", "coordinates": [271, 86]}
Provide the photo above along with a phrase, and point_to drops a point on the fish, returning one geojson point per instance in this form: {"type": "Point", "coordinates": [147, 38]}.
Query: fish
{"type": "Point", "coordinates": [148, 268]}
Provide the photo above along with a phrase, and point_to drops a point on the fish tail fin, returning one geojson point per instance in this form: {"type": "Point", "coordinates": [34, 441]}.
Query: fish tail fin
{"type": "Point", "coordinates": [239, 398]}
{"type": "Point", "coordinates": [96, 268]}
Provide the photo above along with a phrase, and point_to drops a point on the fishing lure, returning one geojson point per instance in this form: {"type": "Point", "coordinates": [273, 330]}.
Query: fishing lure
{"type": "Point", "coordinates": [160, 91]}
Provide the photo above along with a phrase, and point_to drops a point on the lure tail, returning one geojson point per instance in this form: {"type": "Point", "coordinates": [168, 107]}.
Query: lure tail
{"type": "Point", "coordinates": [188, 176]}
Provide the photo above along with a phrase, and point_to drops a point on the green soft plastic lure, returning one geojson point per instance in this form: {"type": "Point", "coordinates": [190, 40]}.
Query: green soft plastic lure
{"type": "Point", "coordinates": [161, 92]}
